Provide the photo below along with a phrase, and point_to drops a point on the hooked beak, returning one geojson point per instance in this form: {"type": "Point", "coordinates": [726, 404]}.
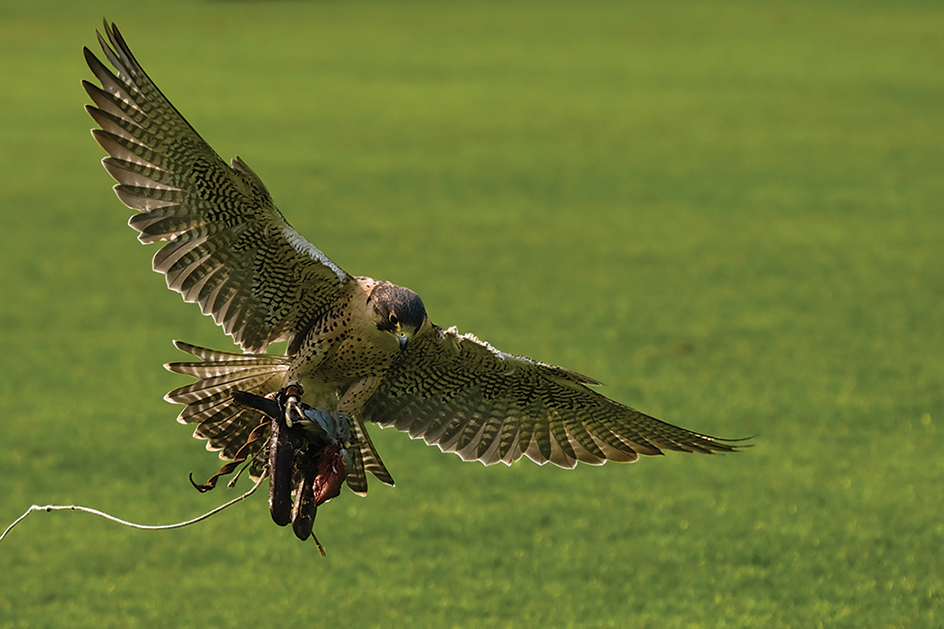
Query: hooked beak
{"type": "Point", "coordinates": [403, 339]}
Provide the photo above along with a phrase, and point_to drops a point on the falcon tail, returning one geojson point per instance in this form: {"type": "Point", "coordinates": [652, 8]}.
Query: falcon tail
{"type": "Point", "coordinates": [209, 401]}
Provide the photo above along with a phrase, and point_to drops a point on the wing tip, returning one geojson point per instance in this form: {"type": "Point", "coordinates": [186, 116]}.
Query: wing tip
{"type": "Point", "coordinates": [706, 444]}
{"type": "Point", "coordinates": [733, 445]}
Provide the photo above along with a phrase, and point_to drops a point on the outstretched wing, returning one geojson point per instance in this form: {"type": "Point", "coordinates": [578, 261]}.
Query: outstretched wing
{"type": "Point", "coordinates": [228, 248]}
{"type": "Point", "coordinates": [467, 397]}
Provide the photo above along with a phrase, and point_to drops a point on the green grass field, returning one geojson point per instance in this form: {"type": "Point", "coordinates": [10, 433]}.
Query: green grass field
{"type": "Point", "coordinates": [731, 213]}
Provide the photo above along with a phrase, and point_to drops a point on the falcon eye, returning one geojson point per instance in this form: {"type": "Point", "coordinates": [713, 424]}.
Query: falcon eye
{"type": "Point", "coordinates": [393, 319]}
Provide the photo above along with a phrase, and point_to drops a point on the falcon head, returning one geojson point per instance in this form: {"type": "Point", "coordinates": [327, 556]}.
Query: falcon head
{"type": "Point", "coordinates": [397, 310]}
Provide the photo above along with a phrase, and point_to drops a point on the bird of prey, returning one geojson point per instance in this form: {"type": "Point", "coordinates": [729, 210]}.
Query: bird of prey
{"type": "Point", "coordinates": [360, 350]}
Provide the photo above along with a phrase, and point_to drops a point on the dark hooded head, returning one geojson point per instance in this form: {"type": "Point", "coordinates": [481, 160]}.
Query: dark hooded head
{"type": "Point", "coordinates": [397, 310]}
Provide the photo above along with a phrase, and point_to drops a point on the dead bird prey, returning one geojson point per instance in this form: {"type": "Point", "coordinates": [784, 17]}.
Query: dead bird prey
{"type": "Point", "coordinates": [359, 350]}
{"type": "Point", "coordinates": [308, 453]}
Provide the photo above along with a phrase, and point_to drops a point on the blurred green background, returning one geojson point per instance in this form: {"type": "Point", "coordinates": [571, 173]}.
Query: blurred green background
{"type": "Point", "coordinates": [731, 213]}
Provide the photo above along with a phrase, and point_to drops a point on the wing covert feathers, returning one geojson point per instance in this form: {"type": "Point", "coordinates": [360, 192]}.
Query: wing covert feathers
{"type": "Point", "coordinates": [467, 397]}
{"type": "Point", "coordinates": [228, 248]}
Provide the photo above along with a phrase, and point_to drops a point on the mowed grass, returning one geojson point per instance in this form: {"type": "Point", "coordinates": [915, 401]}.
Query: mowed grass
{"type": "Point", "coordinates": [731, 213]}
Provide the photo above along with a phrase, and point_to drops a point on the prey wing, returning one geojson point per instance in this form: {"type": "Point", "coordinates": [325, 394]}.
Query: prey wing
{"type": "Point", "coordinates": [467, 397]}
{"type": "Point", "coordinates": [228, 248]}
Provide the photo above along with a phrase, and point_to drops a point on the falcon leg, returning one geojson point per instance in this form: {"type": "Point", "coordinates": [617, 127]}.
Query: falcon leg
{"type": "Point", "coordinates": [292, 394]}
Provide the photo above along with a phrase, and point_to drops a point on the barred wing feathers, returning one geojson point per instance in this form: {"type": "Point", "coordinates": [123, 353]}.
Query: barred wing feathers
{"type": "Point", "coordinates": [467, 397]}
{"type": "Point", "coordinates": [229, 249]}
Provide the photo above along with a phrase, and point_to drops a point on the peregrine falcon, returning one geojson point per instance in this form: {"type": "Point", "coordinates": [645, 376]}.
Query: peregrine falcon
{"type": "Point", "coordinates": [359, 350]}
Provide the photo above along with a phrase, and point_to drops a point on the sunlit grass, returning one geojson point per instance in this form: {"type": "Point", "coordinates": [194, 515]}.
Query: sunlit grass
{"type": "Point", "coordinates": [730, 213]}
